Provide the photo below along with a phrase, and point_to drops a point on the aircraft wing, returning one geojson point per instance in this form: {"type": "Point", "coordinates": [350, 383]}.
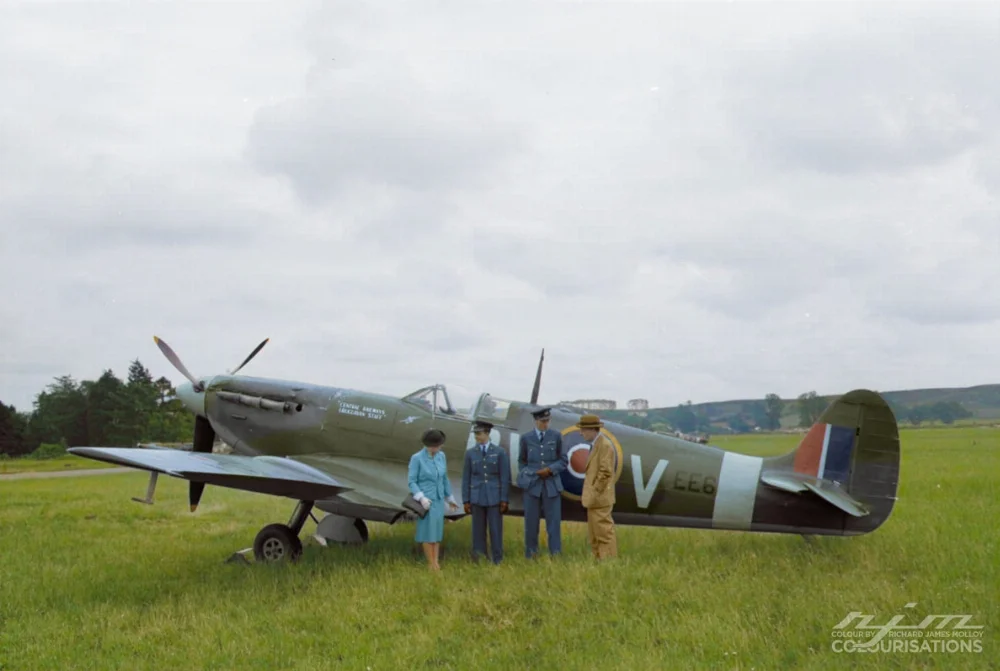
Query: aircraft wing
{"type": "Point", "coordinates": [375, 482]}
{"type": "Point", "coordinates": [827, 490]}
{"type": "Point", "coordinates": [267, 474]}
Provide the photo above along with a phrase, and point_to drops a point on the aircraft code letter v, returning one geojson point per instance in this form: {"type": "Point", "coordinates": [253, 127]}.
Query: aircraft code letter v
{"type": "Point", "coordinates": [644, 493]}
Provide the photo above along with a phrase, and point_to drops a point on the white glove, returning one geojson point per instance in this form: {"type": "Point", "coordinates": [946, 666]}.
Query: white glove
{"type": "Point", "coordinates": [423, 500]}
{"type": "Point", "coordinates": [452, 501]}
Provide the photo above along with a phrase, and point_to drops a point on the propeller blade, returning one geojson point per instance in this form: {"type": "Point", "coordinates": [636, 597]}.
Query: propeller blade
{"type": "Point", "coordinates": [194, 494]}
{"type": "Point", "coordinates": [204, 437]}
{"type": "Point", "coordinates": [252, 355]}
{"type": "Point", "coordinates": [538, 379]}
{"type": "Point", "coordinates": [176, 361]}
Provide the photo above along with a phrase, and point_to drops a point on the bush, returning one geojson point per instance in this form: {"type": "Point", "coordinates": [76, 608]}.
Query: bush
{"type": "Point", "coordinates": [48, 451]}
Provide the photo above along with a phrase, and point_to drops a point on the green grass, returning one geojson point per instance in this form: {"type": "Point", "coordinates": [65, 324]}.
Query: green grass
{"type": "Point", "coordinates": [91, 580]}
{"type": "Point", "coordinates": [68, 463]}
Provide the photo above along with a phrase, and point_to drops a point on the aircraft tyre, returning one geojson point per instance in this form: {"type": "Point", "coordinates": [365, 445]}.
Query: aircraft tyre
{"type": "Point", "coordinates": [276, 543]}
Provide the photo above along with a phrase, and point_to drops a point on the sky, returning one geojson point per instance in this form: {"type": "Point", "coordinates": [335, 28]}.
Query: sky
{"type": "Point", "coordinates": [677, 201]}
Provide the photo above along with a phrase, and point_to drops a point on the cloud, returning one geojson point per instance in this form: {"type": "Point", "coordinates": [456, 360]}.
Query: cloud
{"type": "Point", "coordinates": [677, 202]}
{"type": "Point", "coordinates": [379, 116]}
{"type": "Point", "coordinates": [894, 93]}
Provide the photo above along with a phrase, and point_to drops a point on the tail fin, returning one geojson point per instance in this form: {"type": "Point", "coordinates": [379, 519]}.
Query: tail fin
{"type": "Point", "coordinates": [849, 457]}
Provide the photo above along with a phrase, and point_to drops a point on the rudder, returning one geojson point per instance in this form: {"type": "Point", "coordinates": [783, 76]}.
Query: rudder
{"type": "Point", "coordinates": [854, 444]}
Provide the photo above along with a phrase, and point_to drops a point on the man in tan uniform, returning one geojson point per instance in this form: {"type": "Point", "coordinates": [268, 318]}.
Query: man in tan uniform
{"type": "Point", "coordinates": [598, 489]}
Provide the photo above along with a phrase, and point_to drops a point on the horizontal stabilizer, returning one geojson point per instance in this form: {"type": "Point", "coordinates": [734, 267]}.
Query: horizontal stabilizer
{"type": "Point", "coordinates": [785, 481]}
{"type": "Point", "coordinates": [838, 497]}
{"type": "Point", "coordinates": [829, 491]}
{"type": "Point", "coordinates": [277, 476]}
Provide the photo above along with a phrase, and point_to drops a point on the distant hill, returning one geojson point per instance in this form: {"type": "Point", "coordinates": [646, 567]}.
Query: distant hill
{"type": "Point", "coordinates": [911, 406]}
{"type": "Point", "coordinates": [982, 401]}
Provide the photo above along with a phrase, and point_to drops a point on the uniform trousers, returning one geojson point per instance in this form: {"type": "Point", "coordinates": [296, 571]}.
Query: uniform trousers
{"type": "Point", "coordinates": [483, 517]}
{"type": "Point", "coordinates": [551, 507]}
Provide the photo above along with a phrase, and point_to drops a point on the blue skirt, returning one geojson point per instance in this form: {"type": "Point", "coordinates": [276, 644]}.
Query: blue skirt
{"type": "Point", "coordinates": [431, 528]}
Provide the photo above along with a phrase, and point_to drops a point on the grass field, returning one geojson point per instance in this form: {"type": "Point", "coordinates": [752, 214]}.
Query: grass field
{"type": "Point", "coordinates": [91, 580]}
{"type": "Point", "coordinates": [67, 463]}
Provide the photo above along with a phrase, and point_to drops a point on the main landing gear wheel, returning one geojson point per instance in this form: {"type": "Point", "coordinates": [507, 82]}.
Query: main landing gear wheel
{"type": "Point", "coordinates": [276, 543]}
{"type": "Point", "coordinates": [280, 542]}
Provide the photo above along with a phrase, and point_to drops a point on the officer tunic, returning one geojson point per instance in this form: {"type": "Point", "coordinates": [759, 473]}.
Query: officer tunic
{"type": "Point", "coordinates": [542, 496]}
{"type": "Point", "coordinates": [485, 485]}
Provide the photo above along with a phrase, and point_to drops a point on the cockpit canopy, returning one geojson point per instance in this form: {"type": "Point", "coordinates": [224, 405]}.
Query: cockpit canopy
{"type": "Point", "coordinates": [457, 401]}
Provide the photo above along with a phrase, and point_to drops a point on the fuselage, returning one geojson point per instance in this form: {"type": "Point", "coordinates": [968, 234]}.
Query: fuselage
{"type": "Point", "coordinates": [659, 480]}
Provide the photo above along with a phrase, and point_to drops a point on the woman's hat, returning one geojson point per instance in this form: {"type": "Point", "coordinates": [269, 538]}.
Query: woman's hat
{"type": "Point", "coordinates": [590, 422]}
{"type": "Point", "coordinates": [433, 438]}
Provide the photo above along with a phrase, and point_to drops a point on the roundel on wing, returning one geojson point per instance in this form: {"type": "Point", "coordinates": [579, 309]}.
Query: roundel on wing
{"type": "Point", "coordinates": [577, 453]}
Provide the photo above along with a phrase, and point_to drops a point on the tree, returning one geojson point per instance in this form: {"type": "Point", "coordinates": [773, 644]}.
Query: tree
{"type": "Point", "coordinates": [916, 414]}
{"type": "Point", "coordinates": [60, 413]}
{"type": "Point", "coordinates": [898, 409]}
{"type": "Point", "coordinates": [109, 412]}
{"type": "Point", "coordinates": [738, 424]}
{"type": "Point", "coordinates": [142, 393]}
{"type": "Point", "coordinates": [683, 418]}
{"type": "Point", "coordinates": [811, 407]}
{"type": "Point", "coordinates": [637, 421]}
{"type": "Point", "coordinates": [773, 409]}
{"type": "Point", "coordinates": [173, 422]}
{"type": "Point", "coordinates": [12, 430]}
{"type": "Point", "coordinates": [105, 411]}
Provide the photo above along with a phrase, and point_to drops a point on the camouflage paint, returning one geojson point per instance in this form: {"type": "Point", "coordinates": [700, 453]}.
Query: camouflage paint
{"type": "Point", "coordinates": [365, 440]}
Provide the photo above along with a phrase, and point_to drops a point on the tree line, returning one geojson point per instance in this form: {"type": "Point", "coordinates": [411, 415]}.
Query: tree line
{"type": "Point", "coordinates": [766, 414]}
{"type": "Point", "coordinates": [107, 411]}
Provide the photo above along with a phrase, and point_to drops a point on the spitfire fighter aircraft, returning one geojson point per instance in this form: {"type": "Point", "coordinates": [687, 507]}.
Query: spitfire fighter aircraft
{"type": "Point", "coordinates": [346, 453]}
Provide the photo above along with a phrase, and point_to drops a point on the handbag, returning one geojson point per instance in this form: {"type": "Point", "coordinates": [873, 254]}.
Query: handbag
{"type": "Point", "coordinates": [413, 505]}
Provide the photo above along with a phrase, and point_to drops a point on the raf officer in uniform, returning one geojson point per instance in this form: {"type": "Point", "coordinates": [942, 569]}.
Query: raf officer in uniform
{"type": "Point", "coordinates": [485, 489]}
{"type": "Point", "coordinates": [540, 462]}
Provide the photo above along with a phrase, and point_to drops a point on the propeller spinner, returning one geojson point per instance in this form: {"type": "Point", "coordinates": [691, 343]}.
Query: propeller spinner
{"type": "Point", "coordinates": [193, 398]}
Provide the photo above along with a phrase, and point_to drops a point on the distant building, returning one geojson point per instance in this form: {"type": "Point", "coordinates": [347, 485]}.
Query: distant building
{"type": "Point", "coordinates": [638, 406]}
{"type": "Point", "coordinates": [591, 404]}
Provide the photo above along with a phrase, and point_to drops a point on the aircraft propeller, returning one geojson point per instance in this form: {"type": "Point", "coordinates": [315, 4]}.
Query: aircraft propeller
{"type": "Point", "coordinates": [251, 355]}
{"type": "Point", "coordinates": [204, 434]}
{"type": "Point", "coordinates": [177, 363]}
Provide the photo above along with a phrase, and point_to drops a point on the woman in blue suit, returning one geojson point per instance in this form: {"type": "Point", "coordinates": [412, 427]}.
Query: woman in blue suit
{"type": "Point", "coordinates": [429, 484]}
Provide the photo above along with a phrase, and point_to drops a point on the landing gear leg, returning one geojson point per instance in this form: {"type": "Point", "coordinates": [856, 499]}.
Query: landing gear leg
{"type": "Point", "coordinates": [280, 542]}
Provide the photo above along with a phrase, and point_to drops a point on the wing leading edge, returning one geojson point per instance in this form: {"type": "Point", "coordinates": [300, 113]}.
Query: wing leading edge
{"type": "Point", "coordinates": [266, 475]}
